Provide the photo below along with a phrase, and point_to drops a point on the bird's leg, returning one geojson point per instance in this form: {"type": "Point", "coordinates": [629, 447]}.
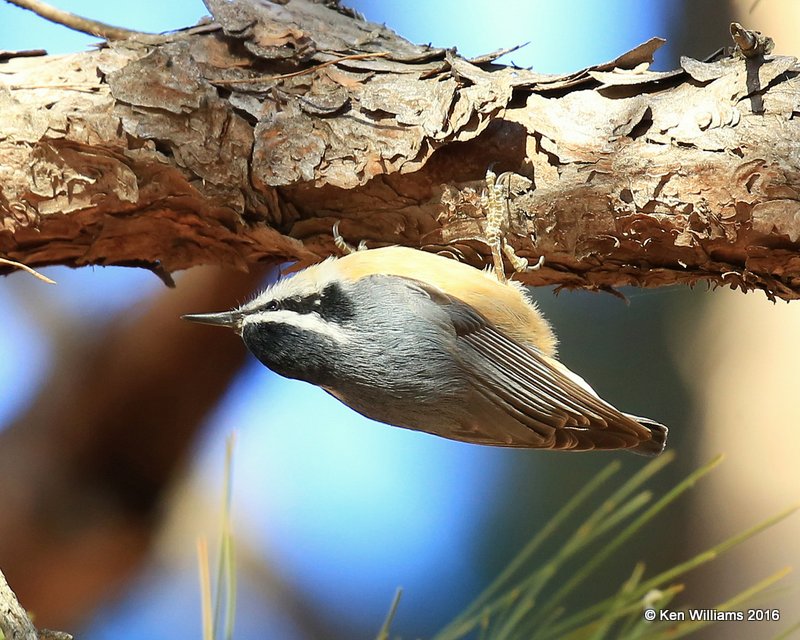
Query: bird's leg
{"type": "Point", "coordinates": [498, 214]}
{"type": "Point", "coordinates": [342, 244]}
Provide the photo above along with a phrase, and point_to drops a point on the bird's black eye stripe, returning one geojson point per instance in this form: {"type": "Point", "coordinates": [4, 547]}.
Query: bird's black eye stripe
{"type": "Point", "coordinates": [304, 304]}
{"type": "Point", "coordinates": [331, 303]}
{"type": "Point", "coordinates": [298, 304]}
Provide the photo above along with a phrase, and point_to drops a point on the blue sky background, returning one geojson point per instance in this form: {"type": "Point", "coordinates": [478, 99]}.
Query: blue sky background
{"type": "Point", "coordinates": [343, 509]}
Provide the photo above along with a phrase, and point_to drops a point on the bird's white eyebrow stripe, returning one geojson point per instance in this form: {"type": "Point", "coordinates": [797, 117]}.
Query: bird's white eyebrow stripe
{"type": "Point", "coordinates": [307, 321]}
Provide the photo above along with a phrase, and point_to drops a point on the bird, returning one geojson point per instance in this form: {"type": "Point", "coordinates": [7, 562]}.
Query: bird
{"type": "Point", "coordinates": [425, 342]}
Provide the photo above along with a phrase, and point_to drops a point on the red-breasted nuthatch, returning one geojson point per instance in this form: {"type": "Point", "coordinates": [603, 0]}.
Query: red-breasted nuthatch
{"type": "Point", "coordinates": [424, 342]}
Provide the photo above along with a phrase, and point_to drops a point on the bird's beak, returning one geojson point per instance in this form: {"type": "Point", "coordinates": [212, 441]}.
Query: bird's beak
{"type": "Point", "coordinates": [232, 319]}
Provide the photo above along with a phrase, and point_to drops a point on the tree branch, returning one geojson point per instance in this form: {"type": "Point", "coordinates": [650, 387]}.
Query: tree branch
{"type": "Point", "coordinates": [77, 23]}
{"type": "Point", "coordinates": [245, 141]}
{"type": "Point", "coordinates": [15, 623]}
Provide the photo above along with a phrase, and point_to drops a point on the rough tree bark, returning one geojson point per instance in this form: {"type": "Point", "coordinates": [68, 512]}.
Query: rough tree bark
{"type": "Point", "coordinates": [244, 139]}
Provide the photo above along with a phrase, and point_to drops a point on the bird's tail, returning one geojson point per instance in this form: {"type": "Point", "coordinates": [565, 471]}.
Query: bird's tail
{"type": "Point", "coordinates": [658, 440]}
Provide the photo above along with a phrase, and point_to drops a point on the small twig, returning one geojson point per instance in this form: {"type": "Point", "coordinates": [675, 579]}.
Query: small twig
{"type": "Point", "coordinates": [25, 267]}
{"type": "Point", "coordinates": [84, 25]}
{"type": "Point", "coordinates": [494, 55]}
{"type": "Point", "coordinates": [24, 53]}
{"type": "Point", "coordinates": [322, 65]}
{"type": "Point", "coordinates": [751, 43]}
{"type": "Point", "coordinates": [86, 87]}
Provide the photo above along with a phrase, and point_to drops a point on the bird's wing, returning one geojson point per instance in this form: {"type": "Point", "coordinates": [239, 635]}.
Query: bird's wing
{"type": "Point", "coordinates": [528, 397]}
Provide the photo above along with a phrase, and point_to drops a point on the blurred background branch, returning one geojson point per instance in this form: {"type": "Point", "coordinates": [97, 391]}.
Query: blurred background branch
{"type": "Point", "coordinates": [87, 466]}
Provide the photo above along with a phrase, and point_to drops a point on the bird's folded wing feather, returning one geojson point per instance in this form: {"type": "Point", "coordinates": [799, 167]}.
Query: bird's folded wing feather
{"type": "Point", "coordinates": [532, 389]}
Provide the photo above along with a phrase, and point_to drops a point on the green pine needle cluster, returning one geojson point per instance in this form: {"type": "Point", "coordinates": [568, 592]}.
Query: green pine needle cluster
{"type": "Point", "coordinates": [527, 601]}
